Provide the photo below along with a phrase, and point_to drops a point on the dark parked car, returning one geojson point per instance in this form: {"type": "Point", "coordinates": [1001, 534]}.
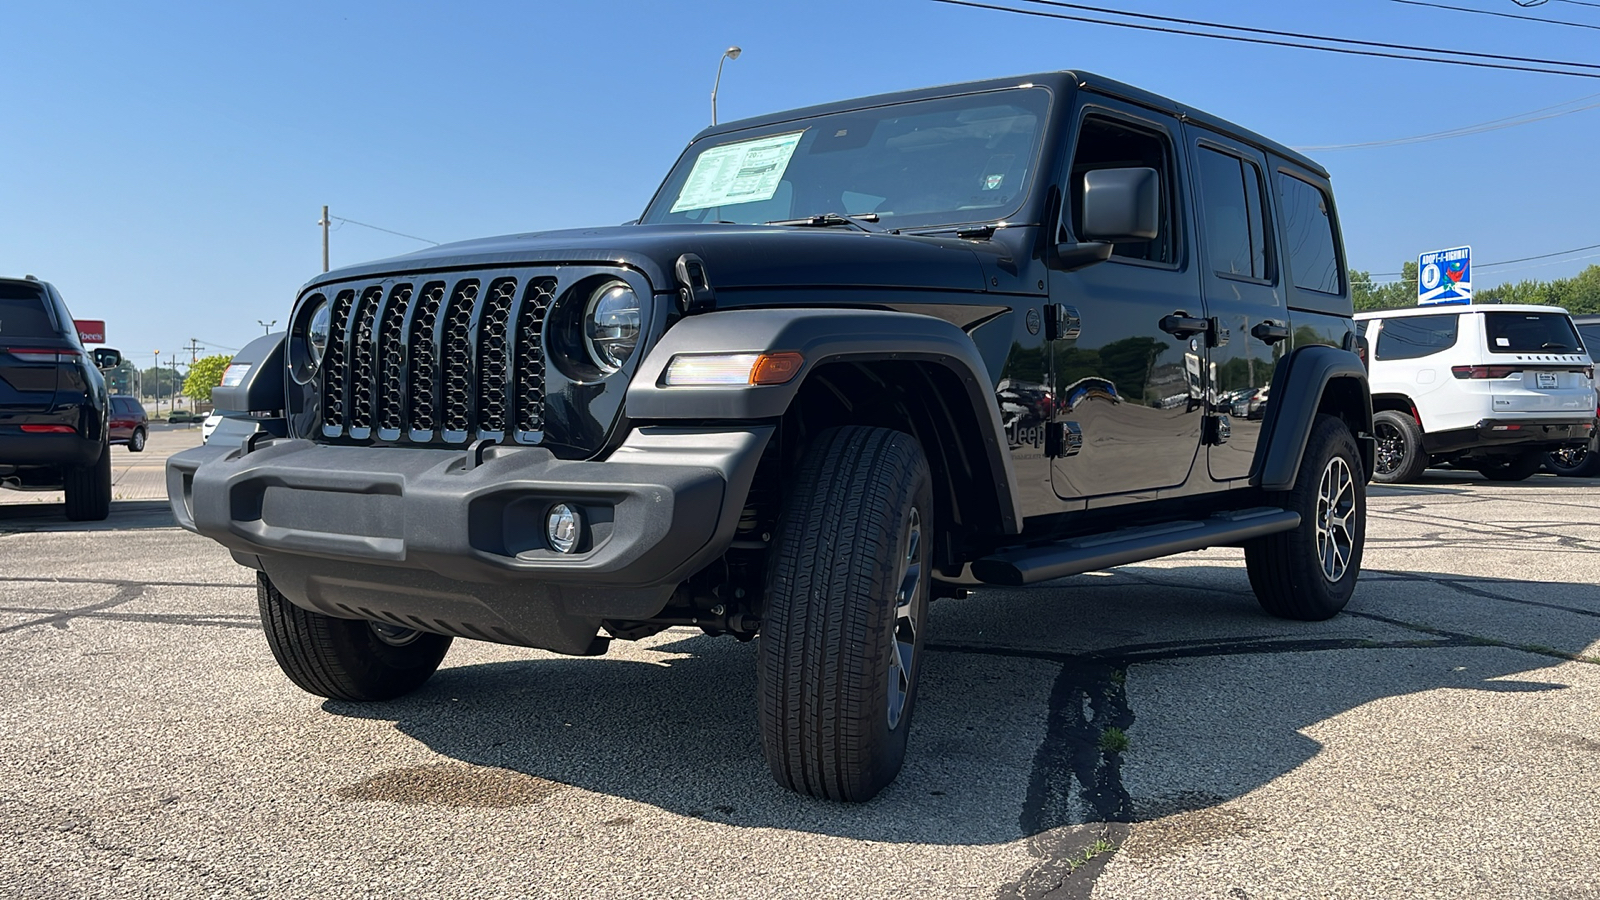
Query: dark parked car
{"type": "Point", "coordinates": [851, 358]}
{"type": "Point", "coordinates": [129, 424]}
{"type": "Point", "coordinates": [53, 403]}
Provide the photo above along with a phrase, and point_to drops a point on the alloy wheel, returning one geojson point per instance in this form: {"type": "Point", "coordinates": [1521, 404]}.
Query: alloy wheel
{"type": "Point", "coordinates": [905, 622]}
{"type": "Point", "coordinates": [1336, 511]}
{"type": "Point", "coordinates": [1391, 448]}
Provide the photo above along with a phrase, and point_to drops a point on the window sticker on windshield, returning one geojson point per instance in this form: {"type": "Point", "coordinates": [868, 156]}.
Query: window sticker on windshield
{"type": "Point", "coordinates": [745, 172]}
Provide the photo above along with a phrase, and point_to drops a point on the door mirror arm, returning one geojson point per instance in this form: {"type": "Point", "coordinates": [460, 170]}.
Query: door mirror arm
{"type": "Point", "coordinates": [1070, 257]}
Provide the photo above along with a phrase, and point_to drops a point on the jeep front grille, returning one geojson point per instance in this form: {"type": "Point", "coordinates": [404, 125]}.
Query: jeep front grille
{"type": "Point", "coordinates": [437, 360]}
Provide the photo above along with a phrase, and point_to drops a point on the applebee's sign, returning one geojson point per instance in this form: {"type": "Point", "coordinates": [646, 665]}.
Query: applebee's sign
{"type": "Point", "coordinates": [91, 331]}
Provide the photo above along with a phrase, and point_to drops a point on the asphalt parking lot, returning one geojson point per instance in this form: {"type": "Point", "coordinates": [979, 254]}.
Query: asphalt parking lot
{"type": "Point", "coordinates": [1439, 739]}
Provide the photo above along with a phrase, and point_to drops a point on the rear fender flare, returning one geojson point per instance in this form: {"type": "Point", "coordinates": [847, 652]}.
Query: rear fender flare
{"type": "Point", "coordinates": [821, 336]}
{"type": "Point", "coordinates": [1301, 390]}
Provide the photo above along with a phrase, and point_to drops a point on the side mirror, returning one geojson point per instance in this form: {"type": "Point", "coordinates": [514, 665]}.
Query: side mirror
{"type": "Point", "coordinates": [1118, 205]}
{"type": "Point", "coordinates": [1121, 205]}
{"type": "Point", "coordinates": [106, 358]}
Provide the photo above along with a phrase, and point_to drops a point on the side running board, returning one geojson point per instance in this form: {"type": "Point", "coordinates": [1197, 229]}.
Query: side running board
{"type": "Point", "coordinates": [1031, 565]}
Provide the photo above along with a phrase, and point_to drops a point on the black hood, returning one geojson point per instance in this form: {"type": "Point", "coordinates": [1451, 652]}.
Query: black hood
{"type": "Point", "coordinates": [735, 256]}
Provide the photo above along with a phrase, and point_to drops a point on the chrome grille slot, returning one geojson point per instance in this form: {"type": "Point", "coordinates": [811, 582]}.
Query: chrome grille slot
{"type": "Point", "coordinates": [492, 347]}
{"type": "Point", "coordinates": [421, 349]}
{"type": "Point", "coordinates": [455, 355]}
{"type": "Point", "coordinates": [335, 380]}
{"type": "Point", "coordinates": [392, 360]}
{"type": "Point", "coordinates": [362, 354]}
{"type": "Point", "coordinates": [528, 376]}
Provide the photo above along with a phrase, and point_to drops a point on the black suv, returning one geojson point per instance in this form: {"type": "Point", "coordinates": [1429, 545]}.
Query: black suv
{"type": "Point", "coordinates": [53, 403]}
{"type": "Point", "coordinates": [851, 358]}
{"type": "Point", "coordinates": [1581, 460]}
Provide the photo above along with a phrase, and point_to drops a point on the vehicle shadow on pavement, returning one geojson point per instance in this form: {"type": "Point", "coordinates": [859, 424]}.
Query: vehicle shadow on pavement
{"type": "Point", "coordinates": [126, 515]}
{"type": "Point", "coordinates": [1019, 691]}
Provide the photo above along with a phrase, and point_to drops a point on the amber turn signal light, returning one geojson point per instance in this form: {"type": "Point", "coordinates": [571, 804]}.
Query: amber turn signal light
{"type": "Point", "coordinates": [776, 368]}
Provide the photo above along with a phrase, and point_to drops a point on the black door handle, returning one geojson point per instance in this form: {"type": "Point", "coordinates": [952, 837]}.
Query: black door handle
{"type": "Point", "coordinates": [1270, 332]}
{"type": "Point", "coordinates": [1183, 325]}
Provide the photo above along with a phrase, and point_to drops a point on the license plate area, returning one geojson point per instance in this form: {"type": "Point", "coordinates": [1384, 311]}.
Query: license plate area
{"type": "Point", "coordinates": [1545, 381]}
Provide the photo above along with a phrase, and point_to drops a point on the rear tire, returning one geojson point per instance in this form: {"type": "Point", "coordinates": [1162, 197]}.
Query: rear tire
{"type": "Point", "coordinates": [136, 441]}
{"type": "Point", "coordinates": [1582, 461]}
{"type": "Point", "coordinates": [1512, 468]}
{"type": "Point", "coordinates": [345, 659]}
{"type": "Point", "coordinates": [847, 598]}
{"type": "Point", "coordinates": [1309, 573]}
{"type": "Point", "coordinates": [88, 489]}
{"type": "Point", "coordinates": [1400, 457]}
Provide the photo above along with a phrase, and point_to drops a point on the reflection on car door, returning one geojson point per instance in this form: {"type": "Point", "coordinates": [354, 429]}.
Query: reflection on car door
{"type": "Point", "coordinates": [1133, 392]}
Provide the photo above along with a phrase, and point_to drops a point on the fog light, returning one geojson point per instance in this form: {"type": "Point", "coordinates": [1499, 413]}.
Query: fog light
{"type": "Point", "coordinates": [563, 526]}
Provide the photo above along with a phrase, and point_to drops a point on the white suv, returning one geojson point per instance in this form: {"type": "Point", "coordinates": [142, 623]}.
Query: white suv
{"type": "Point", "coordinates": [1491, 388]}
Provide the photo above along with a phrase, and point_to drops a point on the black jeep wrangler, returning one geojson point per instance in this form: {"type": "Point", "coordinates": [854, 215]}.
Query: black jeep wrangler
{"type": "Point", "coordinates": [850, 359]}
{"type": "Point", "coordinates": [53, 401]}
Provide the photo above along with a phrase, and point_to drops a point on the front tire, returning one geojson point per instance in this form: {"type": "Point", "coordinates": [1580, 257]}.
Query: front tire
{"type": "Point", "coordinates": [136, 442]}
{"type": "Point", "coordinates": [1309, 573]}
{"type": "Point", "coordinates": [847, 598]}
{"type": "Point", "coordinates": [345, 659]}
{"type": "Point", "coordinates": [1400, 457]}
{"type": "Point", "coordinates": [88, 489]}
{"type": "Point", "coordinates": [1512, 468]}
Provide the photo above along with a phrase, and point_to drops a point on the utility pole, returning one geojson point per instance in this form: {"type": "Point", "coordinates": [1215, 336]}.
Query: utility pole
{"type": "Point", "coordinates": [158, 384]}
{"type": "Point", "coordinates": [324, 222]}
{"type": "Point", "coordinates": [194, 349]}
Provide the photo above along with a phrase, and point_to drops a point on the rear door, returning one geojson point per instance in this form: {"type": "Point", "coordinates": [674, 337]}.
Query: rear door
{"type": "Point", "coordinates": [1239, 276]}
{"type": "Point", "coordinates": [29, 341]}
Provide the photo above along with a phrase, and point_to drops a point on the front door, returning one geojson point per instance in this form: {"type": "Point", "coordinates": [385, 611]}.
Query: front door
{"type": "Point", "coordinates": [1127, 395]}
{"type": "Point", "coordinates": [1243, 293]}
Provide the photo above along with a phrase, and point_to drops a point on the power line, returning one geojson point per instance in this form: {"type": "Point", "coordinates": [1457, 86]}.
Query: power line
{"type": "Point", "coordinates": [1353, 42]}
{"type": "Point", "coordinates": [1501, 15]}
{"type": "Point", "coordinates": [1503, 262]}
{"type": "Point", "coordinates": [384, 230]}
{"type": "Point", "coordinates": [1512, 121]}
{"type": "Point", "coordinates": [1293, 45]}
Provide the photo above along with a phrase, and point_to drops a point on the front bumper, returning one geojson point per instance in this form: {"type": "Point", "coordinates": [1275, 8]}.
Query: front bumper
{"type": "Point", "coordinates": [454, 542]}
{"type": "Point", "coordinates": [1530, 434]}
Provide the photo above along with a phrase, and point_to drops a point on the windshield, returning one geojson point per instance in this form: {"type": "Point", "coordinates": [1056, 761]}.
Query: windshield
{"type": "Point", "coordinates": [1526, 332]}
{"type": "Point", "coordinates": [947, 161]}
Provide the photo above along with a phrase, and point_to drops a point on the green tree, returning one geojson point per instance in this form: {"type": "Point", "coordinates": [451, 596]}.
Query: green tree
{"type": "Point", "coordinates": [204, 375]}
{"type": "Point", "coordinates": [1368, 294]}
{"type": "Point", "coordinates": [160, 382]}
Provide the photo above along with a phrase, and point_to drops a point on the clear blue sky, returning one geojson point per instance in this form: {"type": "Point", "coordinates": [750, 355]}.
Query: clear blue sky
{"type": "Point", "coordinates": [165, 163]}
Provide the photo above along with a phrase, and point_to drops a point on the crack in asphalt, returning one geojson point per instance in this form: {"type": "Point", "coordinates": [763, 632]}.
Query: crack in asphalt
{"type": "Point", "coordinates": [60, 620]}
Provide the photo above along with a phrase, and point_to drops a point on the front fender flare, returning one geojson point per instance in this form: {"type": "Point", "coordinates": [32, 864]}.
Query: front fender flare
{"type": "Point", "coordinates": [821, 336]}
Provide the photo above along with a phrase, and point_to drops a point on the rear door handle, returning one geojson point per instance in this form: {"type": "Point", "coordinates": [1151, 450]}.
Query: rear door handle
{"type": "Point", "coordinates": [1183, 325]}
{"type": "Point", "coordinates": [1270, 332]}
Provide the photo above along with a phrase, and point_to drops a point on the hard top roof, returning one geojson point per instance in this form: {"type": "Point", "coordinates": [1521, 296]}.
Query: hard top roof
{"type": "Point", "coordinates": [1062, 80]}
{"type": "Point", "coordinates": [1447, 308]}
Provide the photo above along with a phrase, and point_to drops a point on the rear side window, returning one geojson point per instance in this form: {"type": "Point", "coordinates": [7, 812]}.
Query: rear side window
{"type": "Point", "coordinates": [1308, 235]}
{"type": "Point", "coordinates": [1527, 332]}
{"type": "Point", "coordinates": [1591, 337]}
{"type": "Point", "coordinates": [1235, 232]}
{"type": "Point", "coordinates": [22, 313]}
{"type": "Point", "coordinates": [1413, 337]}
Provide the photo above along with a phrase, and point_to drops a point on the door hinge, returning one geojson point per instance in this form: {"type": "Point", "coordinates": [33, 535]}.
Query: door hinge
{"type": "Point", "coordinates": [1061, 322]}
{"type": "Point", "coordinates": [1063, 439]}
{"type": "Point", "coordinates": [1217, 429]}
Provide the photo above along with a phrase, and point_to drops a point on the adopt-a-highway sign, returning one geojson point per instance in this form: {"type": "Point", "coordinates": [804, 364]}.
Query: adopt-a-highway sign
{"type": "Point", "coordinates": [1444, 276]}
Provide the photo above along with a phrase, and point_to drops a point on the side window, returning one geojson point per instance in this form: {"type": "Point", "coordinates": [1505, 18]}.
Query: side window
{"type": "Point", "coordinates": [1109, 144]}
{"type": "Point", "coordinates": [1308, 235]}
{"type": "Point", "coordinates": [1236, 231]}
{"type": "Point", "coordinates": [1413, 337]}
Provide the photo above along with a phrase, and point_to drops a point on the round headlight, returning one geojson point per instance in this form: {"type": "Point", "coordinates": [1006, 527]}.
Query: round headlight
{"type": "Point", "coordinates": [611, 325]}
{"type": "Point", "coordinates": [317, 332]}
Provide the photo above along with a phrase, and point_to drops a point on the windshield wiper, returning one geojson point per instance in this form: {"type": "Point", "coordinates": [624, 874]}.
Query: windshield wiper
{"type": "Point", "coordinates": [866, 222]}
{"type": "Point", "coordinates": [1552, 345]}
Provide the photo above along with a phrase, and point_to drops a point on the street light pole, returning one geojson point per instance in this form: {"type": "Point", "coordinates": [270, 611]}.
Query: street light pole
{"type": "Point", "coordinates": [324, 222]}
{"type": "Point", "coordinates": [730, 53]}
{"type": "Point", "coordinates": [266, 327]}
